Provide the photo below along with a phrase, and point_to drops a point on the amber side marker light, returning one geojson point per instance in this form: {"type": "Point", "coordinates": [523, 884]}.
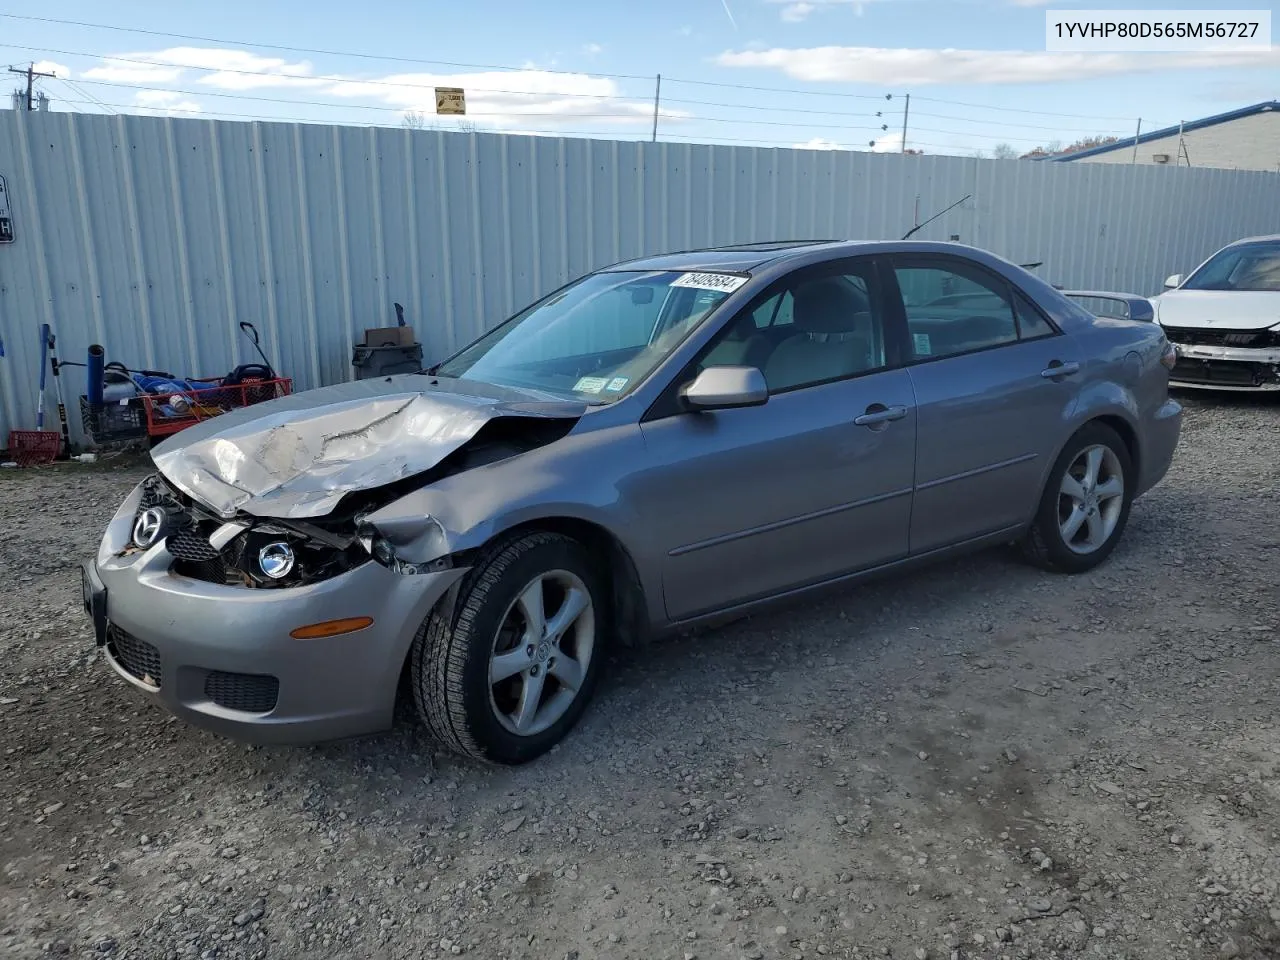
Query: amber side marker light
{"type": "Point", "coordinates": [331, 628]}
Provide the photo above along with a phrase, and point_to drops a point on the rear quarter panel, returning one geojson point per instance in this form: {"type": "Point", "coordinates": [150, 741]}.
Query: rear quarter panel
{"type": "Point", "coordinates": [1122, 378]}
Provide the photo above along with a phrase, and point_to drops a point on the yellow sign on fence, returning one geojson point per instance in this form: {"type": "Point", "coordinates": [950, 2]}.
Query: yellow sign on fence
{"type": "Point", "coordinates": [451, 100]}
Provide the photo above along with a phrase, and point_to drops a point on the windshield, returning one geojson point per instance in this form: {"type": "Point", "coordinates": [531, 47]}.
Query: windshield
{"type": "Point", "coordinates": [1251, 266]}
{"type": "Point", "coordinates": [596, 339]}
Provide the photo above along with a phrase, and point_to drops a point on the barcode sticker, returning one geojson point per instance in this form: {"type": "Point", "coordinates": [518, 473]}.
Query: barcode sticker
{"type": "Point", "coordinates": [723, 282]}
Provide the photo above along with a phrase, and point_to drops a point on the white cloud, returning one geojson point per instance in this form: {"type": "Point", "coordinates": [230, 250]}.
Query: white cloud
{"type": "Point", "coordinates": [61, 71]}
{"type": "Point", "coordinates": [525, 98]}
{"type": "Point", "coordinates": [517, 98]}
{"type": "Point", "coordinates": [889, 67]}
{"type": "Point", "coordinates": [889, 143]}
{"type": "Point", "coordinates": [132, 70]}
{"type": "Point", "coordinates": [592, 49]}
{"type": "Point", "coordinates": [795, 12]}
{"type": "Point", "coordinates": [168, 102]}
{"type": "Point", "coordinates": [818, 143]}
{"type": "Point", "coordinates": [219, 67]}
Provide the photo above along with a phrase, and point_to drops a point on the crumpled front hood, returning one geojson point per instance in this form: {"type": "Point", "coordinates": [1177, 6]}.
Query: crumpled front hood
{"type": "Point", "coordinates": [1227, 309]}
{"type": "Point", "coordinates": [296, 456]}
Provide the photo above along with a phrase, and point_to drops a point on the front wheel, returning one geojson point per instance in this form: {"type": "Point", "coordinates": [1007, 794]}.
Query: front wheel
{"type": "Point", "coordinates": [505, 672]}
{"type": "Point", "coordinates": [1085, 504]}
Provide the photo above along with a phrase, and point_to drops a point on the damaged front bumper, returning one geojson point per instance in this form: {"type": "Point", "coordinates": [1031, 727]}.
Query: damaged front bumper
{"type": "Point", "coordinates": [1213, 367]}
{"type": "Point", "coordinates": [222, 657]}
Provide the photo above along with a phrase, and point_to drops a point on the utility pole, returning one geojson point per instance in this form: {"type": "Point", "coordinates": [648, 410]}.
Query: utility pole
{"type": "Point", "coordinates": [31, 73]}
{"type": "Point", "coordinates": [1136, 137]}
{"type": "Point", "coordinates": [905, 112]}
{"type": "Point", "coordinates": [657, 92]}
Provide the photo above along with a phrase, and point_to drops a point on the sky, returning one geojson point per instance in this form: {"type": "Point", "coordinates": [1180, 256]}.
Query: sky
{"type": "Point", "coordinates": [822, 74]}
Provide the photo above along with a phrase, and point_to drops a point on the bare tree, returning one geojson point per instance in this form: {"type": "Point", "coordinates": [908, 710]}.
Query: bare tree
{"type": "Point", "coordinates": [466, 126]}
{"type": "Point", "coordinates": [417, 120]}
{"type": "Point", "coordinates": [1004, 151]}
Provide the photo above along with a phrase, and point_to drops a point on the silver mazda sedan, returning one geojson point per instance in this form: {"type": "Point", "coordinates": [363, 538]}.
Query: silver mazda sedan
{"type": "Point", "coordinates": [662, 442]}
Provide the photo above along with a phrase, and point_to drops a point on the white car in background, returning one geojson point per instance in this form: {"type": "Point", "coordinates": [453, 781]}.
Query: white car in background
{"type": "Point", "coordinates": [1224, 319]}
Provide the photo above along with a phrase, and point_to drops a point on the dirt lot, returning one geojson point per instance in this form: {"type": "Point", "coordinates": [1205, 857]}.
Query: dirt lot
{"type": "Point", "coordinates": [977, 761]}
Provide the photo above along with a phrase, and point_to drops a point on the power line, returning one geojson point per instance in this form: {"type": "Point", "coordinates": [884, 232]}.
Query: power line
{"type": "Point", "coordinates": [620, 135]}
{"type": "Point", "coordinates": [75, 88]}
{"type": "Point", "coordinates": [1017, 126]}
{"type": "Point", "coordinates": [497, 113]}
{"type": "Point", "coordinates": [1038, 113]}
{"type": "Point", "coordinates": [807, 93]}
{"type": "Point", "coordinates": [289, 49]}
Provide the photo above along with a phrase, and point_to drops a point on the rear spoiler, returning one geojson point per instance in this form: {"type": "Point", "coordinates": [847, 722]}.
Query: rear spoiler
{"type": "Point", "coordinates": [1136, 308]}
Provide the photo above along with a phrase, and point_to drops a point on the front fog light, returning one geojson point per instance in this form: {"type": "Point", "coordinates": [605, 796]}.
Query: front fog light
{"type": "Point", "coordinates": [275, 560]}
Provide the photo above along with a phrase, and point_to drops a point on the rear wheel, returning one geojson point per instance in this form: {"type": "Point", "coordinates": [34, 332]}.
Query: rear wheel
{"type": "Point", "coordinates": [1085, 504]}
{"type": "Point", "coordinates": [506, 671]}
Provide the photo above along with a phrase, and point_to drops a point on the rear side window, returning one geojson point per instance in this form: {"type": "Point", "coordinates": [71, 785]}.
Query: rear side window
{"type": "Point", "coordinates": [953, 310]}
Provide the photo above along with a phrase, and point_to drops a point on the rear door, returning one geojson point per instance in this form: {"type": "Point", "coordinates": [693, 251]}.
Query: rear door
{"type": "Point", "coordinates": [754, 501]}
{"type": "Point", "coordinates": [995, 384]}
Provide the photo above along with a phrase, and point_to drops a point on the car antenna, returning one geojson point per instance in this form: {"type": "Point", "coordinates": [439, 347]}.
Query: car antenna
{"type": "Point", "coordinates": [936, 216]}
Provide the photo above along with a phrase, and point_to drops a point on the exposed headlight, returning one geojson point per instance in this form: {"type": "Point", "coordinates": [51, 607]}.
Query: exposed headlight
{"type": "Point", "coordinates": [276, 559]}
{"type": "Point", "coordinates": [382, 551]}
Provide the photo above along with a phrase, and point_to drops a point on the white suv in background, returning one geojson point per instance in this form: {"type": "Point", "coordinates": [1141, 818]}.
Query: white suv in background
{"type": "Point", "coordinates": [1224, 319]}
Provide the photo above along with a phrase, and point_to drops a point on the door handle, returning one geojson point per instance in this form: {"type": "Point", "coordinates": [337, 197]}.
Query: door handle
{"type": "Point", "coordinates": [1058, 369]}
{"type": "Point", "coordinates": [878, 414]}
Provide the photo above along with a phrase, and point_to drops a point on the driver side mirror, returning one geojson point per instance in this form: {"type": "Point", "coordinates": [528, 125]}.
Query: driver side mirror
{"type": "Point", "coordinates": [1173, 281]}
{"type": "Point", "coordinates": [722, 388]}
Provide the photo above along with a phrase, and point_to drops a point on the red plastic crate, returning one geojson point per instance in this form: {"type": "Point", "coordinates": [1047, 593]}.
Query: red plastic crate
{"type": "Point", "coordinates": [163, 419]}
{"type": "Point", "coordinates": [30, 448]}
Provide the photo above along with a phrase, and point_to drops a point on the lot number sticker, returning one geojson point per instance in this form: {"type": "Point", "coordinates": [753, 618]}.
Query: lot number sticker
{"type": "Point", "coordinates": [724, 282]}
{"type": "Point", "coordinates": [590, 385]}
{"type": "Point", "coordinates": [921, 342]}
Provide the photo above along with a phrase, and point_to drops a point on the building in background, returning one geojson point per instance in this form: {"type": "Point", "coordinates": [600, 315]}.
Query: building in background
{"type": "Point", "coordinates": [1244, 139]}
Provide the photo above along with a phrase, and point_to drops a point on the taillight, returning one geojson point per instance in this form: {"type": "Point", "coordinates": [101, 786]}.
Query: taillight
{"type": "Point", "coordinates": [1170, 355]}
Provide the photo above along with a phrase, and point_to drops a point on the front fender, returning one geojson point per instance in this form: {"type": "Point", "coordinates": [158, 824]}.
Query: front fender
{"type": "Point", "coordinates": [578, 478]}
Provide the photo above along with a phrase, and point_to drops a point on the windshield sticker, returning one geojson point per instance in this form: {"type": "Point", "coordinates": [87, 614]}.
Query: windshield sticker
{"type": "Point", "coordinates": [723, 282]}
{"type": "Point", "coordinates": [617, 384]}
{"type": "Point", "coordinates": [921, 342]}
{"type": "Point", "coordinates": [590, 384]}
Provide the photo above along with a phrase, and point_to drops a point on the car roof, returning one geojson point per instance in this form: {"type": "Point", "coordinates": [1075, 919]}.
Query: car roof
{"type": "Point", "coordinates": [747, 257]}
{"type": "Point", "coordinates": [1269, 238]}
{"type": "Point", "coordinates": [742, 257]}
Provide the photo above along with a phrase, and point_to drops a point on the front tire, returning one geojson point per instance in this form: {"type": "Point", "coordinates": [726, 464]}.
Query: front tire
{"type": "Point", "coordinates": [1085, 504]}
{"type": "Point", "coordinates": [506, 671]}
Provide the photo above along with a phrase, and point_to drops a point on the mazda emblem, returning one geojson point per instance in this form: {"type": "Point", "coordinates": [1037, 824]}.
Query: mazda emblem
{"type": "Point", "coordinates": [148, 527]}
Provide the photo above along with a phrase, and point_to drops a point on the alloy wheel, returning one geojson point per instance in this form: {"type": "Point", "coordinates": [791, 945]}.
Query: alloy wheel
{"type": "Point", "coordinates": [1090, 499]}
{"type": "Point", "coordinates": [541, 653]}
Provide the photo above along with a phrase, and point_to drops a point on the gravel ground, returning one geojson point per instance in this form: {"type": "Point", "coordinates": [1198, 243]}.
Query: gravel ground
{"type": "Point", "coordinates": [980, 760]}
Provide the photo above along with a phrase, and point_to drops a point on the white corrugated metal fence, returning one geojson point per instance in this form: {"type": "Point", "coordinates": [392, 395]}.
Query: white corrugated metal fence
{"type": "Point", "coordinates": [156, 236]}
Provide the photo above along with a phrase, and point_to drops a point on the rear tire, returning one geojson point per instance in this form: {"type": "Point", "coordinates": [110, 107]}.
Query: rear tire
{"type": "Point", "coordinates": [1085, 505]}
{"type": "Point", "coordinates": [505, 672]}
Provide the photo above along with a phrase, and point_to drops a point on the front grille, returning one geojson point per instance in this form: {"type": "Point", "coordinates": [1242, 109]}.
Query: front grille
{"type": "Point", "coordinates": [247, 692]}
{"type": "Point", "coordinates": [139, 658]}
{"type": "Point", "coordinates": [189, 543]}
{"type": "Point", "coordinates": [1224, 372]}
{"type": "Point", "coordinates": [1194, 337]}
{"type": "Point", "coordinates": [211, 571]}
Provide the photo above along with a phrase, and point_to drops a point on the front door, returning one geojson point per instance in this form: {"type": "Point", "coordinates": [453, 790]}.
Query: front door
{"type": "Point", "coordinates": [751, 502]}
{"type": "Point", "coordinates": [995, 384]}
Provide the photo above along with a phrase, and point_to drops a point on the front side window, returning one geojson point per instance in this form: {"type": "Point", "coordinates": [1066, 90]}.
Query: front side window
{"type": "Point", "coordinates": [814, 329]}
{"type": "Point", "coordinates": [597, 339]}
{"type": "Point", "coordinates": [1249, 266]}
{"type": "Point", "coordinates": [953, 309]}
